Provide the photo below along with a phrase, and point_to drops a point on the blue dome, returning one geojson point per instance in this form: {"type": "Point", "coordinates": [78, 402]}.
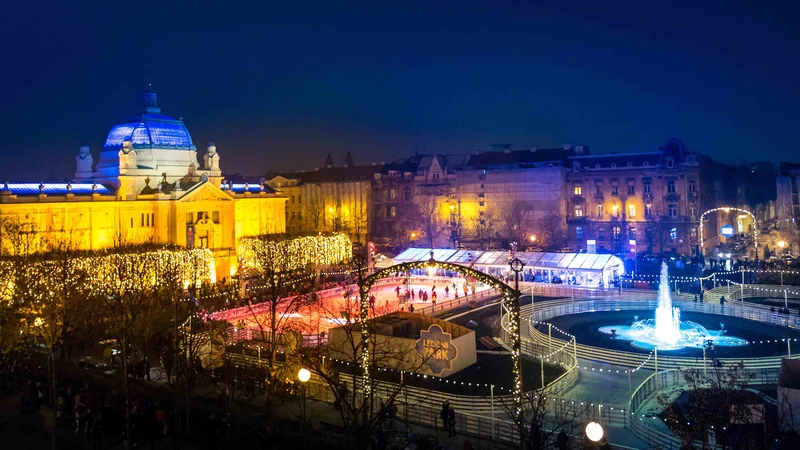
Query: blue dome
{"type": "Point", "coordinates": [151, 129]}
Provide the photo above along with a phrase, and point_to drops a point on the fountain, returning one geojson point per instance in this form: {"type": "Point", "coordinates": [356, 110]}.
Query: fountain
{"type": "Point", "coordinates": [667, 331]}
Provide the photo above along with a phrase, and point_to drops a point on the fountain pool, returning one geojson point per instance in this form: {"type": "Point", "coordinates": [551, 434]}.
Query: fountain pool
{"type": "Point", "coordinates": [666, 331]}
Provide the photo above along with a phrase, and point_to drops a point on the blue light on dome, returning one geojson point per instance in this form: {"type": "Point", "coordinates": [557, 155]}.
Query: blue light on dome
{"type": "Point", "coordinates": [151, 130]}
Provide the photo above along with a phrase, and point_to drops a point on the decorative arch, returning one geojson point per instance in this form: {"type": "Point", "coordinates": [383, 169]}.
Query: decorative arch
{"type": "Point", "coordinates": [727, 209]}
{"type": "Point", "coordinates": [510, 304]}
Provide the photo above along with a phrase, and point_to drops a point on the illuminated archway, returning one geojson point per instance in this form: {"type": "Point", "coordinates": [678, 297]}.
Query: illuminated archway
{"type": "Point", "coordinates": [510, 303]}
{"type": "Point", "coordinates": [728, 209]}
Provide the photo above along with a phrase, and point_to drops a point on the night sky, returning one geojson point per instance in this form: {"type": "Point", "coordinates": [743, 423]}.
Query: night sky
{"type": "Point", "coordinates": [277, 87]}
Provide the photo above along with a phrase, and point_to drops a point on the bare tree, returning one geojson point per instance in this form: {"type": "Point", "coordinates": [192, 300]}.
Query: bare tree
{"type": "Point", "coordinates": [485, 225]}
{"type": "Point", "coordinates": [313, 213]}
{"type": "Point", "coordinates": [716, 404]}
{"type": "Point", "coordinates": [547, 421]}
{"type": "Point", "coordinates": [515, 215]}
{"type": "Point", "coordinates": [552, 233]}
{"type": "Point", "coordinates": [429, 216]}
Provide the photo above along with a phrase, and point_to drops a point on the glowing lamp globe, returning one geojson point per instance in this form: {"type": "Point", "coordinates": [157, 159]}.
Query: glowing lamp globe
{"type": "Point", "coordinates": [303, 375]}
{"type": "Point", "coordinates": [594, 431]}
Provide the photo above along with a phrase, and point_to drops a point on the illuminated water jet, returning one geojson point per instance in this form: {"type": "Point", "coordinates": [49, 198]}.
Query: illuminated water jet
{"type": "Point", "coordinates": [666, 331]}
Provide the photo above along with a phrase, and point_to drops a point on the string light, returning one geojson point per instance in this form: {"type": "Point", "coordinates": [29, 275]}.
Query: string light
{"type": "Point", "coordinates": [297, 253]}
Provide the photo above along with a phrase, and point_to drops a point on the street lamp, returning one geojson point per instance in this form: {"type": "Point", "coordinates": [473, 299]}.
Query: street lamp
{"type": "Point", "coordinates": [533, 238]}
{"type": "Point", "coordinates": [781, 244]}
{"type": "Point", "coordinates": [594, 431]}
{"type": "Point", "coordinates": [516, 345]}
{"type": "Point", "coordinates": [303, 375]}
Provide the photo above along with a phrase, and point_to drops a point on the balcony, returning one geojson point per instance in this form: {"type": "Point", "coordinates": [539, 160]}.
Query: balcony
{"type": "Point", "coordinates": [571, 220]}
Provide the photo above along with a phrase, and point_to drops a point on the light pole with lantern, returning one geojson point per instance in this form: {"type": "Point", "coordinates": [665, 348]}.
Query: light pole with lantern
{"type": "Point", "coordinates": [516, 344]}
{"type": "Point", "coordinates": [303, 375]}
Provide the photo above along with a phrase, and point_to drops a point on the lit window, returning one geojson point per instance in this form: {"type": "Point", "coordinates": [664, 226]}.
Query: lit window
{"type": "Point", "coordinates": [648, 210]}
{"type": "Point", "coordinates": [189, 217]}
{"type": "Point", "coordinates": [215, 216]}
{"type": "Point", "coordinates": [579, 232]}
{"type": "Point", "coordinates": [693, 232]}
{"type": "Point", "coordinates": [614, 190]}
{"type": "Point", "coordinates": [673, 210]}
{"type": "Point", "coordinates": [671, 186]}
{"type": "Point", "coordinates": [392, 194]}
{"type": "Point", "coordinates": [646, 187]}
{"type": "Point", "coordinates": [578, 210]}
{"type": "Point", "coordinates": [615, 232]}
{"type": "Point", "coordinates": [692, 185]}
{"type": "Point", "coordinates": [599, 211]}
{"type": "Point", "coordinates": [392, 211]}
{"type": "Point", "coordinates": [577, 190]}
{"type": "Point", "coordinates": [692, 212]}
{"type": "Point", "coordinates": [631, 210]}
{"type": "Point", "coordinates": [673, 234]}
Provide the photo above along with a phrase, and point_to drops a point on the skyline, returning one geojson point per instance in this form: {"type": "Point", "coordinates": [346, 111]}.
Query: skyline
{"type": "Point", "coordinates": [277, 89]}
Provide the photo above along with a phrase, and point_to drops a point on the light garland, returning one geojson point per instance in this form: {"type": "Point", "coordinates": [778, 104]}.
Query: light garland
{"type": "Point", "coordinates": [297, 253]}
{"type": "Point", "coordinates": [511, 306]}
{"type": "Point", "coordinates": [96, 271]}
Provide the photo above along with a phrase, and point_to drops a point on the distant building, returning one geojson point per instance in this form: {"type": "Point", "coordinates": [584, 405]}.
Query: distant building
{"type": "Point", "coordinates": [652, 198]}
{"type": "Point", "coordinates": [147, 186]}
{"type": "Point", "coordinates": [788, 204]}
{"type": "Point", "coordinates": [330, 198]}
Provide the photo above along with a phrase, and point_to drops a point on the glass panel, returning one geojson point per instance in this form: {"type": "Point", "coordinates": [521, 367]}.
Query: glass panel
{"type": "Point", "coordinates": [601, 262]}
{"type": "Point", "coordinates": [589, 262]}
{"type": "Point", "coordinates": [404, 256]}
{"type": "Point", "coordinates": [442, 254]}
{"type": "Point", "coordinates": [564, 263]}
{"type": "Point", "coordinates": [484, 257]}
{"type": "Point", "coordinates": [578, 260]}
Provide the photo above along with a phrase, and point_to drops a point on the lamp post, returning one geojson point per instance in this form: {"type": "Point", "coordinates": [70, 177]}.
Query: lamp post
{"type": "Point", "coordinates": [303, 375]}
{"type": "Point", "coordinates": [514, 324]}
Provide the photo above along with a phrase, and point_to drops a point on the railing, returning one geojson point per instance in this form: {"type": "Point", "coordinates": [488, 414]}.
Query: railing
{"type": "Point", "coordinates": [661, 381]}
{"type": "Point", "coordinates": [441, 306]}
{"type": "Point", "coordinates": [547, 310]}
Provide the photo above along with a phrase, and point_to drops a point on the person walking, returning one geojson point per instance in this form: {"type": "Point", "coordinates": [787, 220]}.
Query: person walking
{"type": "Point", "coordinates": [444, 414]}
{"type": "Point", "coordinates": [451, 421]}
{"type": "Point", "coordinates": [447, 292]}
{"type": "Point", "coordinates": [397, 291]}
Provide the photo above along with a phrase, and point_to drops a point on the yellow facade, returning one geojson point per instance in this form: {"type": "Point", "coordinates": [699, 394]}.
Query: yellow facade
{"type": "Point", "coordinates": [218, 218]}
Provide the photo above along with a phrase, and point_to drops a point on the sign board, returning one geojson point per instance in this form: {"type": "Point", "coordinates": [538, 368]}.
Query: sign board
{"type": "Point", "coordinates": [727, 230]}
{"type": "Point", "coordinates": [189, 236]}
{"type": "Point", "coordinates": [436, 349]}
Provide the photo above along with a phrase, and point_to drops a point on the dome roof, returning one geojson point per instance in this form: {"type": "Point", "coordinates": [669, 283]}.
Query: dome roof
{"type": "Point", "coordinates": [151, 129]}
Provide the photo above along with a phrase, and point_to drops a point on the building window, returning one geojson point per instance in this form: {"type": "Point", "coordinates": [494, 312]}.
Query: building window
{"type": "Point", "coordinates": [215, 216]}
{"type": "Point", "coordinates": [646, 187]}
{"type": "Point", "coordinates": [673, 234]}
{"type": "Point", "coordinates": [578, 210]}
{"type": "Point", "coordinates": [293, 199]}
{"type": "Point", "coordinates": [673, 210]}
{"type": "Point", "coordinates": [436, 175]}
{"type": "Point", "coordinates": [693, 233]}
{"type": "Point", "coordinates": [615, 232]}
{"type": "Point", "coordinates": [692, 185]}
{"type": "Point", "coordinates": [142, 224]}
{"type": "Point", "coordinates": [392, 211]}
{"type": "Point", "coordinates": [599, 211]}
{"type": "Point", "coordinates": [631, 210]}
{"type": "Point", "coordinates": [614, 189]}
{"type": "Point", "coordinates": [631, 189]}
{"type": "Point", "coordinates": [189, 218]}
{"type": "Point", "coordinates": [392, 194]}
{"type": "Point", "coordinates": [671, 186]}
{"type": "Point", "coordinates": [407, 194]}
{"type": "Point", "coordinates": [579, 232]}
{"type": "Point", "coordinates": [601, 234]}
{"type": "Point", "coordinates": [293, 215]}
{"type": "Point", "coordinates": [670, 162]}
{"type": "Point", "coordinates": [648, 210]}
{"type": "Point", "coordinates": [598, 190]}
{"type": "Point", "coordinates": [692, 212]}
{"type": "Point", "coordinates": [300, 216]}
{"type": "Point", "coordinates": [577, 190]}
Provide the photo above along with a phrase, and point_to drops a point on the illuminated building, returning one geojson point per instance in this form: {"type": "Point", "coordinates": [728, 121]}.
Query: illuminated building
{"type": "Point", "coordinates": [147, 186]}
{"type": "Point", "coordinates": [331, 198]}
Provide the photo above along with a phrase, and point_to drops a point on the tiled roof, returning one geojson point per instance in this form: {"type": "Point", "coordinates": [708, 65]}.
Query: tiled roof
{"type": "Point", "coordinates": [239, 188]}
{"type": "Point", "coordinates": [326, 174]}
{"type": "Point", "coordinates": [55, 188]}
{"type": "Point", "coordinates": [617, 160]}
{"type": "Point", "coordinates": [517, 157]}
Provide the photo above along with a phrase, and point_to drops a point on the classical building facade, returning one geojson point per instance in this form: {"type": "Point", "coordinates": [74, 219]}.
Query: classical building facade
{"type": "Point", "coordinates": [146, 187]}
{"type": "Point", "coordinates": [653, 198]}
